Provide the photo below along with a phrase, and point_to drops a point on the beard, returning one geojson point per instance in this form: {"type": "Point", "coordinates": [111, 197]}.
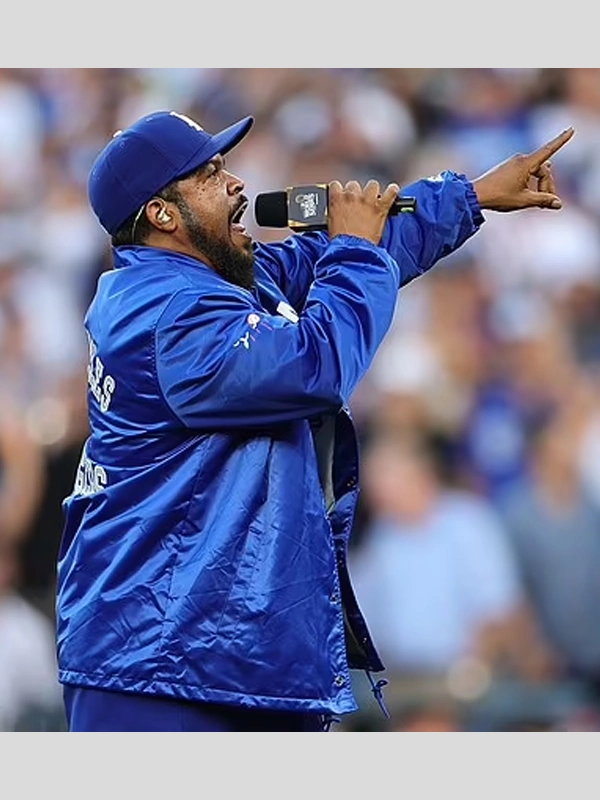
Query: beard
{"type": "Point", "coordinates": [235, 264]}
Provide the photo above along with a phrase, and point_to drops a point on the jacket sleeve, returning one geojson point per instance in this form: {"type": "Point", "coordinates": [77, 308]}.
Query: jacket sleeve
{"type": "Point", "coordinates": [447, 215]}
{"type": "Point", "coordinates": [222, 362]}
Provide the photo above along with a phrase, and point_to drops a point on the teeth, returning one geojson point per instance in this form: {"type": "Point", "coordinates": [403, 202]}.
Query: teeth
{"type": "Point", "coordinates": [239, 213]}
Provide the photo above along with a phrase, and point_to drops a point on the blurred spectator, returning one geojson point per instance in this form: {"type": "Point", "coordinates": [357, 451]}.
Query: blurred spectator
{"type": "Point", "coordinates": [40, 336]}
{"type": "Point", "coordinates": [22, 131]}
{"type": "Point", "coordinates": [529, 362]}
{"type": "Point", "coordinates": [434, 573]}
{"type": "Point", "coordinates": [21, 474]}
{"type": "Point", "coordinates": [59, 424]}
{"type": "Point", "coordinates": [554, 528]}
{"type": "Point", "coordinates": [28, 677]}
{"type": "Point", "coordinates": [29, 689]}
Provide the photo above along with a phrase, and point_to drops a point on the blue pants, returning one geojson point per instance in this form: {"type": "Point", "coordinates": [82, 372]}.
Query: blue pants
{"type": "Point", "coordinates": [100, 710]}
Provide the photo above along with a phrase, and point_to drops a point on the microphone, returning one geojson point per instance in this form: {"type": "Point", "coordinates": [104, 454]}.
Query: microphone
{"type": "Point", "coordinates": [304, 208]}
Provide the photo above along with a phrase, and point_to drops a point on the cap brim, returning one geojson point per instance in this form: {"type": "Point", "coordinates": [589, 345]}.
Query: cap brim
{"type": "Point", "coordinates": [232, 135]}
{"type": "Point", "coordinates": [219, 144]}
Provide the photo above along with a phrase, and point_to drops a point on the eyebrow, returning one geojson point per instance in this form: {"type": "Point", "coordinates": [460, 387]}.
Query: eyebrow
{"type": "Point", "coordinates": [218, 160]}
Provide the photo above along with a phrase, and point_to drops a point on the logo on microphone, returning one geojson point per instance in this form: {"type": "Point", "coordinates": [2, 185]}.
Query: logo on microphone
{"type": "Point", "coordinates": [309, 204]}
{"type": "Point", "coordinates": [307, 207]}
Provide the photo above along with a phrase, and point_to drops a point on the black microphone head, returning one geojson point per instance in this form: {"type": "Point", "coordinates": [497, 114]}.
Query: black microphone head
{"type": "Point", "coordinates": [271, 210]}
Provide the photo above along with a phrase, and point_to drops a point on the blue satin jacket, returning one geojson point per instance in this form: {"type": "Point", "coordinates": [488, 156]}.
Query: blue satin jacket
{"type": "Point", "coordinates": [204, 548]}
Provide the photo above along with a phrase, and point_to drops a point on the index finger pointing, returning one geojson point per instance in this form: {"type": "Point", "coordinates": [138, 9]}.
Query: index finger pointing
{"type": "Point", "coordinates": [547, 150]}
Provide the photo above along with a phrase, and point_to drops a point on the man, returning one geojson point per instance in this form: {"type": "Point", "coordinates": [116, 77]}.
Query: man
{"type": "Point", "coordinates": [202, 577]}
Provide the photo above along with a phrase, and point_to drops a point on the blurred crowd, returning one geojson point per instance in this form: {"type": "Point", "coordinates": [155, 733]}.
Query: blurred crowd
{"type": "Point", "coordinates": [476, 550]}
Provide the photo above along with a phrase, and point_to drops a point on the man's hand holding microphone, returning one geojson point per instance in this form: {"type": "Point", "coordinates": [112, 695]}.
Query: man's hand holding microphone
{"type": "Point", "coordinates": [358, 211]}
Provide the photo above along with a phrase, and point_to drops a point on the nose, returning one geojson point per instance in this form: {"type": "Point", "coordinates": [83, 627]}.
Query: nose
{"type": "Point", "coordinates": [235, 185]}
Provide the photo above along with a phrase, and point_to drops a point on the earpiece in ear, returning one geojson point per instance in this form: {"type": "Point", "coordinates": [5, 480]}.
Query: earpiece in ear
{"type": "Point", "coordinates": [163, 216]}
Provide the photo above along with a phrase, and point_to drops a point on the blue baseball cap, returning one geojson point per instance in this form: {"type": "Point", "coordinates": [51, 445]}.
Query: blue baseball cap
{"type": "Point", "coordinates": [141, 160]}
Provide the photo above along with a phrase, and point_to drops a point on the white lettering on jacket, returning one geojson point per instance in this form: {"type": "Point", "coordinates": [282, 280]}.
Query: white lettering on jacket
{"type": "Point", "coordinates": [90, 477]}
{"type": "Point", "coordinates": [101, 386]}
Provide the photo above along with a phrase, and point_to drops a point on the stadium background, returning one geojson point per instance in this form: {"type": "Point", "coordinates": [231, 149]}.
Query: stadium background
{"type": "Point", "coordinates": [477, 544]}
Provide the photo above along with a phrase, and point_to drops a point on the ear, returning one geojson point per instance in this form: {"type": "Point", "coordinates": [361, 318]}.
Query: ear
{"type": "Point", "coordinates": [158, 214]}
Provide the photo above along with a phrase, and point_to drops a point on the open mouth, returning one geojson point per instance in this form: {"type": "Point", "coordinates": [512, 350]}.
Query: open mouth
{"type": "Point", "coordinates": [235, 224]}
{"type": "Point", "coordinates": [237, 216]}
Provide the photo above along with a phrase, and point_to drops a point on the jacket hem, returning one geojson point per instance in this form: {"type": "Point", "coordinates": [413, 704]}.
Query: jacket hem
{"type": "Point", "coordinates": [344, 703]}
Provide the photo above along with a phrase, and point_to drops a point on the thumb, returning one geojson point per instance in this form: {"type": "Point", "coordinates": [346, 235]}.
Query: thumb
{"type": "Point", "coordinates": [544, 200]}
